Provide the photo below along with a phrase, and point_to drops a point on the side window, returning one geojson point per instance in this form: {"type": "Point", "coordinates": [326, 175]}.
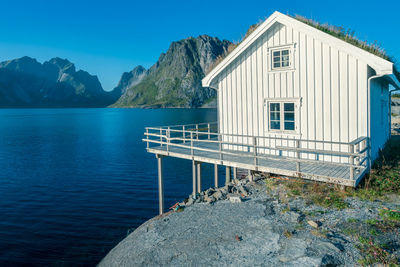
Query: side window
{"type": "Point", "coordinates": [282, 116]}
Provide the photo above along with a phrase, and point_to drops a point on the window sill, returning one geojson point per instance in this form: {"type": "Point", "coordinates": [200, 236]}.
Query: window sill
{"type": "Point", "coordinates": [282, 70]}
{"type": "Point", "coordinates": [288, 133]}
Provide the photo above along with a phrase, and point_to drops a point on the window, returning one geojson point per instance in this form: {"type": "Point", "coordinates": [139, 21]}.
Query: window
{"type": "Point", "coordinates": [281, 58]}
{"type": "Point", "coordinates": [282, 115]}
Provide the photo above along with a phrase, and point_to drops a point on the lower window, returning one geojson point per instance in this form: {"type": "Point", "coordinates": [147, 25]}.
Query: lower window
{"type": "Point", "coordinates": [282, 116]}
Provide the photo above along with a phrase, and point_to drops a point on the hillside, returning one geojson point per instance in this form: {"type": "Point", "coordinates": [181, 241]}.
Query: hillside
{"type": "Point", "coordinates": [175, 79]}
{"type": "Point", "coordinates": [24, 82]}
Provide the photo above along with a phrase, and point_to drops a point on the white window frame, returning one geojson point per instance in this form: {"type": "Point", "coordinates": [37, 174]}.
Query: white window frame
{"type": "Point", "coordinates": [282, 101]}
{"type": "Point", "coordinates": [271, 50]}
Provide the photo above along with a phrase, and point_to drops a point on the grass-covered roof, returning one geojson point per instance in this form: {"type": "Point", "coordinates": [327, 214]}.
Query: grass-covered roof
{"type": "Point", "coordinates": [342, 33]}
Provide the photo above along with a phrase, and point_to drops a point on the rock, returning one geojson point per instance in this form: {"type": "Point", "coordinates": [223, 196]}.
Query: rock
{"type": "Point", "coordinates": [235, 199]}
{"type": "Point", "coordinates": [189, 202]}
{"type": "Point", "coordinates": [217, 194]}
{"type": "Point", "coordinates": [314, 224]}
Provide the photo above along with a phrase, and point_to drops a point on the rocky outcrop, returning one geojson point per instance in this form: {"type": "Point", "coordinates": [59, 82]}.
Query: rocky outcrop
{"type": "Point", "coordinates": [24, 82]}
{"type": "Point", "coordinates": [175, 80]}
{"type": "Point", "coordinates": [265, 229]}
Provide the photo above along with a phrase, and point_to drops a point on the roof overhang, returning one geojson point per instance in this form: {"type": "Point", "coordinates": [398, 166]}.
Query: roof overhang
{"type": "Point", "coordinates": [380, 65]}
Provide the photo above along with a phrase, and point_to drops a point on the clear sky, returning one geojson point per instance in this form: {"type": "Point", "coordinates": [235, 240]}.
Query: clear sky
{"type": "Point", "coordinates": [107, 38]}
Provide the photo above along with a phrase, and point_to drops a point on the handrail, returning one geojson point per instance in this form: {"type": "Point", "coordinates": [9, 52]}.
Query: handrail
{"type": "Point", "coordinates": [190, 136]}
{"type": "Point", "coordinates": [250, 156]}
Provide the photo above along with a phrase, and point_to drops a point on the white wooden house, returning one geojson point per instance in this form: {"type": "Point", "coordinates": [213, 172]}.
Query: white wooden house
{"type": "Point", "coordinates": [292, 100]}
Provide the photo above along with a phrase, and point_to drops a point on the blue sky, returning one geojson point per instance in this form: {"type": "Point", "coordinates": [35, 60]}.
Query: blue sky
{"type": "Point", "coordinates": [107, 38]}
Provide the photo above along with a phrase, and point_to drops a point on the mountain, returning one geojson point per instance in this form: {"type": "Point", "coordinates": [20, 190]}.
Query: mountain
{"type": "Point", "coordinates": [175, 80]}
{"type": "Point", "coordinates": [24, 82]}
{"type": "Point", "coordinates": [130, 79]}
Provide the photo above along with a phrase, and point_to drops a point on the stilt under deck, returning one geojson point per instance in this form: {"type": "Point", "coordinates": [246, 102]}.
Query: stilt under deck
{"type": "Point", "coordinates": [201, 145]}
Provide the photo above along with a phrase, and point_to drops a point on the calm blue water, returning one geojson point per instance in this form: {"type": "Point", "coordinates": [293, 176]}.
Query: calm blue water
{"type": "Point", "coordinates": [74, 181]}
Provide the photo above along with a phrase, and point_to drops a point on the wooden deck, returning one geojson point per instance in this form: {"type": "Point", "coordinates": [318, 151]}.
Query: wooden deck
{"type": "Point", "coordinates": [313, 170]}
{"type": "Point", "coordinates": [200, 143]}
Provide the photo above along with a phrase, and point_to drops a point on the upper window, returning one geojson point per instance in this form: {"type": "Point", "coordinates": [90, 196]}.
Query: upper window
{"type": "Point", "coordinates": [281, 58]}
{"type": "Point", "coordinates": [282, 114]}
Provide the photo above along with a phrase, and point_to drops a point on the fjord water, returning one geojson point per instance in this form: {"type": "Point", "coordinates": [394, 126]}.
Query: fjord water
{"type": "Point", "coordinates": [73, 182]}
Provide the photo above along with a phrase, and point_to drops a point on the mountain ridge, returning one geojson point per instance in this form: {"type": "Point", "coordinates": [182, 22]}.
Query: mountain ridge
{"type": "Point", "coordinates": [175, 79]}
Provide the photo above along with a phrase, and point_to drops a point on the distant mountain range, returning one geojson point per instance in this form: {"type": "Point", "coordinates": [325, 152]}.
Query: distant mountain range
{"type": "Point", "coordinates": [174, 81]}
{"type": "Point", "coordinates": [24, 82]}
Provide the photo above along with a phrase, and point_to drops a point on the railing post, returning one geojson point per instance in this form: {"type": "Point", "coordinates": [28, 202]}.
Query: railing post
{"type": "Point", "coordinates": [183, 132]}
{"type": "Point", "coordinates": [255, 151]}
{"type": "Point", "coordinates": [168, 136]}
{"type": "Point", "coordinates": [161, 137]}
{"type": "Point", "coordinates": [197, 131]}
{"type": "Point", "coordinates": [220, 147]}
{"type": "Point", "coordinates": [209, 130]}
{"type": "Point", "coordinates": [358, 151]}
{"type": "Point", "coordinates": [191, 143]}
{"type": "Point", "coordinates": [147, 137]}
{"type": "Point", "coordinates": [351, 161]}
{"type": "Point", "coordinates": [298, 156]}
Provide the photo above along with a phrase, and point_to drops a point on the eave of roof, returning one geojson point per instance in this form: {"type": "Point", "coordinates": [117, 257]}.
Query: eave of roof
{"type": "Point", "coordinates": [381, 66]}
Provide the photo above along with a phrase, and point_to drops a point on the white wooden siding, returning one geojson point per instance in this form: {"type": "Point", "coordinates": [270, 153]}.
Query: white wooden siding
{"type": "Point", "coordinates": [331, 83]}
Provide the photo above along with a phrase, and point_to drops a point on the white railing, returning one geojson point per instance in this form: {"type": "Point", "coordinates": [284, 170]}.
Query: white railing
{"type": "Point", "coordinates": [205, 137]}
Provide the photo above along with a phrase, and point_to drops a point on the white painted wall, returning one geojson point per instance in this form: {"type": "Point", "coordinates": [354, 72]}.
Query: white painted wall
{"type": "Point", "coordinates": [331, 83]}
{"type": "Point", "coordinates": [380, 112]}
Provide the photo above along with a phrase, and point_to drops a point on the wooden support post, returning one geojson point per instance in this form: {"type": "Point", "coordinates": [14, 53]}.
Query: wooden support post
{"type": "Point", "coordinates": [234, 173]}
{"type": "Point", "coordinates": [160, 185]}
{"type": "Point", "coordinates": [255, 151]}
{"type": "Point", "coordinates": [209, 130]}
{"type": "Point", "coordinates": [197, 131]}
{"type": "Point", "coordinates": [183, 133]}
{"type": "Point", "coordinates": [198, 177]}
{"type": "Point", "coordinates": [251, 179]}
{"type": "Point", "coordinates": [351, 161]}
{"type": "Point", "coordinates": [298, 156]}
{"type": "Point", "coordinates": [228, 175]}
{"type": "Point", "coordinates": [194, 173]}
{"type": "Point", "coordinates": [216, 175]}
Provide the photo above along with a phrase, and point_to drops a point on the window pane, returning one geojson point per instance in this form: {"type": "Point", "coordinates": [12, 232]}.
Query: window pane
{"type": "Point", "coordinates": [275, 125]}
{"type": "Point", "coordinates": [289, 125]}
{"type": "Point", "coordinates": [277, 53]}
{"type": "Point", "coordinates": [277, 65]}
{"type": "Point", "coordinates": [275, 107]}
{"type": "Point", "coordinates": [289, 106]}
{"type": "Point", "coordinates": [285, 52]}
{"type": "Point", "coordinates": [289, 116]}
{"type": "Point", "coordinates": [285, 64]}
{"type": "Point", "coordinates": [277, 59]}
{"type": "Point", "coordinates": [274, 116]}
{"type": "Point", "coordinates": [285, 58]}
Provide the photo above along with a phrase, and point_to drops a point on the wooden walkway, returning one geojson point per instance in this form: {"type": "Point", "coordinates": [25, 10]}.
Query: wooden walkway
{"type": "Point", "coordinates": [202, 143]}
{"type": "Point", "coordinates": [313, 170]}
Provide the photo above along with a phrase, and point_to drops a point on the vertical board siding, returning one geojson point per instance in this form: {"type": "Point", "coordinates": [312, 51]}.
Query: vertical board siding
{"type": "Point", "coordinates": [332, 86]}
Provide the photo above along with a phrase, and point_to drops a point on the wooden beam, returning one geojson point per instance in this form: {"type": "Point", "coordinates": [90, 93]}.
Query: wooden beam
{"type": "Point", "coordinates": [194, 174]}
{"type": "Point", "coordinates": [198, 177]}
{"type": "Point", "coordinates": [234, 173]}
{"type": "Point", "coordinates": [216, 175]}
{"type": "Point", "coordinates": [228, 175]}
{"type": "Point", "coordinates": [160, 184]}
